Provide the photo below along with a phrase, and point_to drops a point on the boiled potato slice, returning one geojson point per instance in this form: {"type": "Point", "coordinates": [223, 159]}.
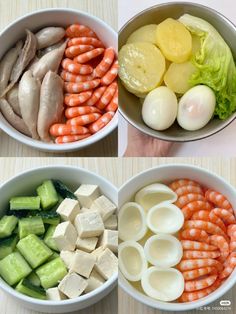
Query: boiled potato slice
{"type": "Point", "coordinates": [178, 75]}
{"type": "Point", "coordinates": [174, 40]}
{"type": "Point", "coordinates": [142, 67]}
{"type": "Point", "coordinates": [145, 33]}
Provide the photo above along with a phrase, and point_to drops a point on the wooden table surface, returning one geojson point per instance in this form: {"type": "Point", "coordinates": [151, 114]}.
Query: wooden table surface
{"type": "Point", "coordinates": [12, 9]}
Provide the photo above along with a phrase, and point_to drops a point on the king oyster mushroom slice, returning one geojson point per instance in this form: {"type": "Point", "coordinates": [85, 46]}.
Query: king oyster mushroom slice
{"type": "Point", "coordinates": [15, 121]}
{"type": "Point", "coordinates": [29, 96]}
{"type": "Point", "coordinates": [49, 36]}
{"type": "Point", "coordinates": [43, 52]}
{"type": "Point", "coordinates": [51, 104]}
{"type": "Point", "coordinates": [6, 65]}
{"type": "Point", "coordinates": [12, 98]}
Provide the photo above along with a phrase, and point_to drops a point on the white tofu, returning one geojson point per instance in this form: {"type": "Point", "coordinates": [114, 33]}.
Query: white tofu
{"type": "Point", "coordinates": [68, 209]}
{"type": "Point", "coordinates": [86, 244]}
{"type": "Point", "coordinates": [67, 257]}
{"type": "Point", "coordinates": [109, 239]}
{"type": "Point", "coordinates": [83, 263]}
{"type": "Point", "coordinates": [104, 206]}
{"type": "Point", "coordinates": [55, 294]}
{"type": "Point", "coordinates": [72, 285]}
{"type": "Point", "coordinates": [86, 194]}
{"type": "Point", "coordinates": [97, 252]}
{"type": "Point", "coordinates": [94, 281]}
{"type": "Point", "coordinates": [107, 264]}
{"type": "Point", "coordinates": [89, 224]}
{"type": "Point", "coordinates": [65, 236]}
{"type": "Point", "coordinates": [111, 223]}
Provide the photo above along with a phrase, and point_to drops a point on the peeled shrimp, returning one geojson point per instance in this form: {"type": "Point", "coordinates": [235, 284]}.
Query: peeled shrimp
{"type": "Point", "coordinates": [231, 230]}
{"type": "Point", "coordinates": [101, 122]}
{"type": "Point", "coordinates": [108, 58]}
{"type": "Point", "coordinates": [190, 264]}
{"type": "Point", "coordinates": [199, 272]}
{"type": "Point", "coordinates": [107, 96]}
{"type": "Point", "coordinates": [200, 254]}
{"type": "Point", "coordinates": [229, 265]}
{"type": "Point", "coordinates": [74, 51]}
{"type": "Point", "coordinates": [70, 138]}
{"type": "Point", "coordinates": [225, 215]}
{"type": "Point", "coordinates": [186, 189]}
{"type": "Point", "coordinates": [79, 111]}
{"type": "Point", "coordinates": [85, 41]}
{"type": "Point", "coordinates": [113, 104]}
{"type": "Point", "coordinates": [81, 87]}
{"type": "Point", "coordinates": [221, 244]}
{"type": "Point", "coordinates": [49, 36]}
{"type": "Point", "coordinates": [65, 129]}
{"type": "Point", "coordinates": [194, 234]}
{"type": "Point", "coordinates": [111, 74]}
{"type": "Point", "coordinates": [188, 198]}
{"type": "Point", "coordinates": [97, 94]}
{"type": "Point", "coordinates": [78, 30]}
{"type": "Point", "coordinates": [85, 119]}
{"type": "Point", "coordinates": [209, 216]}
{"type": "Point", "coordinates": [89, 55]}
{"type": "Point", "coordinates": [218, 199]}
{"type": "Point", "coordinates": [75, 68]}
{"type": "Point", "coordinates": [199, 284]}
{"type": "Point", "coordinates": [70, 77]}
{"type": "Point", "coordinates": [77, 99]}
{"type": "Point", "coordinates": [198, 246]}
{"type": "Point", "coordinates": [195, 206]}
{"type": "Point", "coordinates": [209, 227]}
{"type": "Point", "coordinates": [181, 182]}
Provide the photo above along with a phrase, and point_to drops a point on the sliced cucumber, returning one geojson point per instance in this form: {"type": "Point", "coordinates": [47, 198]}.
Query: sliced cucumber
{"type": "Point", "coordinates": [49, 240]}
{"type": "Point", "coordinates": [53, 256]}
{"type": "Point", "coordinates": [7, 225]}
{"type": "Point", "coordinates": [7, 245]}
{"type": "Point", "coordinates": [63, 190]}
{"type": "Point", "coordinates": [47, 194]}
{"type": "Point", "coordinates": [34, 279]}
{"type": "Point", "coordinates": [50, 217]}
{"type": "Point", "coordinates": [26, 287]}
{"type": "Point", "coordinates": [30, 225]}
{"type": "Point", "coordinates": [34, 250]}
{"type": "Point", "coordinates": [51, 273]}
{"type": "Point", "coordinates": [25, 203]}
{"type": "Point", "coordinates": [13, 268]}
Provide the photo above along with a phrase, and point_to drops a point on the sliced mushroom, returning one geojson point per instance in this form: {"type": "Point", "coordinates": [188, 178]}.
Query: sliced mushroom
{"type": "Point", "coordinates": [49, 36]}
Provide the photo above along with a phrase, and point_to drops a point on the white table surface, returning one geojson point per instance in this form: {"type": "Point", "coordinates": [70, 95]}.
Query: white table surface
{"type": "Point", "coordinates": [220, 144]}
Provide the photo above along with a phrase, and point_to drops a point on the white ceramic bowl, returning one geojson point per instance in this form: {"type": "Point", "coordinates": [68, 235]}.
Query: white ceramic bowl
{"type": "Point", "coordinates": [166, 174]}
{"type": "Point", "coordinates": [25, 183]}
{"type": "Point", "coordinates": [55, 17]}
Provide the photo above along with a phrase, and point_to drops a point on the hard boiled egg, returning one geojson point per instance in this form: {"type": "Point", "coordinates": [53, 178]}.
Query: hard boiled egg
{"type": "Point", "coordinates": [159, 109]}
{"type": "Point", "coordinates": [196, 108]}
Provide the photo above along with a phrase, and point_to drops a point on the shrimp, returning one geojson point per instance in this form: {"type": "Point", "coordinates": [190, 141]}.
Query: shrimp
{"type": "Point", "coordinates": [69, 77]}
{"type": "Point", "coordinates": [188, 198]}
{"type": "Point", "coordinates": [70, 138]}
{"type": "Point", "coordinates": [231, 231]}
{"type": "Point", "coordinates": [198, 246]}
{"type": "Point", "coordinates": [232, 245]}
{"type": "Point", "coordinates": [186, 189]}
{"type": "Point", "coordinates": [113, 105]}
{"type": "Point", "coordinates": [81, 87]}
{"type": "Point", "coordinates": [97, 94]}
{"type": "Point", "coordinates": [227, 217]}
{"type": "Point", "coordinates": [200, 254]}
{"type": "Point", "coordinates": [218, 199]}
{"type": "Point", "coordinates": [85, 119]}
{"type": "Point", "coordinates": [87, 56]}
{"type": "Point", "coordinates": [111, 74]}
{"type": "Point", "coordinates": [221, 244]}
{"type": "Point", "coordinates": [194, 234]}
{"type": "Point", "coordinates": [107, 96]}
{"type": "Point", "coordinates": [209, 216]}
{"type": "Point", "coordinates": [79, 111]}
{"type": "Point", "coordinates": [78, 30]}
{"type": "Point", "coordinates": [199, 272]}
{"type": "Point", "coordinates": [76, 68]}
{"type": "Point", "coordinates": [64, 129]}
{"type": "Point", "coordinates": [195, 206]}
{"type": "Point", "coordinates": [85, 41]}
{"type": "Point", "coordinates": [229, 265]}
{"type": "Point", "coordinates": [190, 264]}
{"type": "Point", "coordinates": [181, 182]}
{"type": "Point", "coordinates": [77, 99]}
{"type": "Point", "coordinates": [102, 68]}
{"type": "Point", "coordinates": [74, 51]}
{"type": "Point", "coordinates": [101, 122]}
{"type": "Point", "coordinates": [199, 284]}
{"type": "Point", "coordinates": [209, 227]}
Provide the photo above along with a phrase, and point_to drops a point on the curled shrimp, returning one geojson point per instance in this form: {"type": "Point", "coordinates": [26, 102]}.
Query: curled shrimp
{"type": "Point", "coordinates": [190, 264]}
{"type": "Point", "coordinates": [209, 216]}
{"type": "Point", "coordinates": [194, 234]}
{"type": "Point", "coordinates": [227, 217]}
{"type": "Point", "coordinates": [188, 198]}
{"type": "Point", "coordinates": [195, 206]}
{"type": "Point", "coordinates": [207, 226]}
{"type": "Point", "coordinates": [229, 265]}
{"type": "Point", "coordinates": [200, 254]}
{"type": "Point", "coordinates": [199, 284]}
{"type": "Point", "coordinates": [181, 182]}
{"type": "Point", "coordinates": [186, 189]}
{"type": "Point", "coordinates": [197, 246]}
{"type": "Point", "coordinates": [221, 244]}
{"type": "Point", "coordinates": [218, 199]}
{"type": "Point", "coordinates": [199, 272]}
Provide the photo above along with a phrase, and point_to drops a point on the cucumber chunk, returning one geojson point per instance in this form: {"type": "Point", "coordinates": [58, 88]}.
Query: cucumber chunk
{"type": "Point", "coordinates": [51, 273]}
{"type": "Point", "coordinates": [26, 287]}
{"type": "Point", "coordinates": [13, 268]}
{"type": "Point", "coordinates": [51, 217]}
{"type": "Point", "coordinates": [47, 194]}
{"type": "Point", "coordinates": [53, 256]}
{"type": "Point", "coordinates": [30, 225]}
{"type": "Point", "coordinates": [34, 279]}
{"type": "Point", "coordinates": [34, 250]}
{"type": "Point", "coordinates": [7, 225]}
{"type": "Point", "coordinates": [7, 245]}
{"type": "Point", "coordinates": [25, 203]}
{"type": "Point", "coordinates": [63, 190]}
{"type": "Point", "coordinates": [49, 240]}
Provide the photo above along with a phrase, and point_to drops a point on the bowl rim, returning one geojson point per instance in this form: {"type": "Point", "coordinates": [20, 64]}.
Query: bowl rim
{"type": "Point", "coordinates": [159, 135]}
{"type": "Point", "coordinates": [53, 147]}
{"type": "Point", "coordinates": [110, 282]}
{"type": "Point", "coordinates": [177, 307]}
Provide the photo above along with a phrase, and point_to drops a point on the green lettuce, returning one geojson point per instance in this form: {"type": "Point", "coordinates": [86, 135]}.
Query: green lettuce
{"type": "Point", "coordinates": [215, 65]}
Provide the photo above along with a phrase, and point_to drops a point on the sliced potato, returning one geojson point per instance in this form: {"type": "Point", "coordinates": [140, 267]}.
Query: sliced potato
{"type": "Point", "coordinates": [145, 33]}
{"type": "Point", "coordinates": [174, 40]}
{"type": "Point", "coordinates": [178, 75]}
{"type": "Point", "coordinates": [142, 67]}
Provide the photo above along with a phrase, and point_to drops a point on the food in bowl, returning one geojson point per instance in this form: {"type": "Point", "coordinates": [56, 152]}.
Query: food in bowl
{"type": "Point", "coordinates": [183, 55]}
{"type": "Point", "coordinates": [57, 245]}
{"type": "Point", "coordinates": [36, 81]}
{"type": "Point", "coordinates": [188, 249]}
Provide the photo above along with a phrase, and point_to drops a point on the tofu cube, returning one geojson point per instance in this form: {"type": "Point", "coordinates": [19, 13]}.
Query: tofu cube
{"type": "Point", "coordinates": [72, 285]}
{"type": "Point", "coordinates": [86, 194]}
{"type": "Point", "coordinates": [67, 257]}
{"type": "Point", "coordinates": [68, 209]}
{"type": "Point", "coordinates": [107, 264]}
{"type": "Point", "coordinates": [89, 224]}
{"type": "Point", "coordinates": [83, 263]}
{"type": "Point", "coordinates": [86, 244]}
{"type": "Point", "coordinates": [111, 223]}
{"type": "Point", "coordinates": [94, 281]}
{"type": "Point", "coordinates": [104, 206]}
{"type": "Point", "coordinates": [55, 294]}
{"type": "Point", "coordinates": [85, 210]}
{"type": "Point", "coordinates": [109, 239]}
{"type": "Point", "coordinates": [97, 252]}
{"type": "Point", "coordinates": [65, 236]}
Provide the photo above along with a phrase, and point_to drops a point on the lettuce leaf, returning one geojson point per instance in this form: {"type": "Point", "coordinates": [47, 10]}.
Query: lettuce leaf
{"type": "Point", "coordinates": [215, 65]}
